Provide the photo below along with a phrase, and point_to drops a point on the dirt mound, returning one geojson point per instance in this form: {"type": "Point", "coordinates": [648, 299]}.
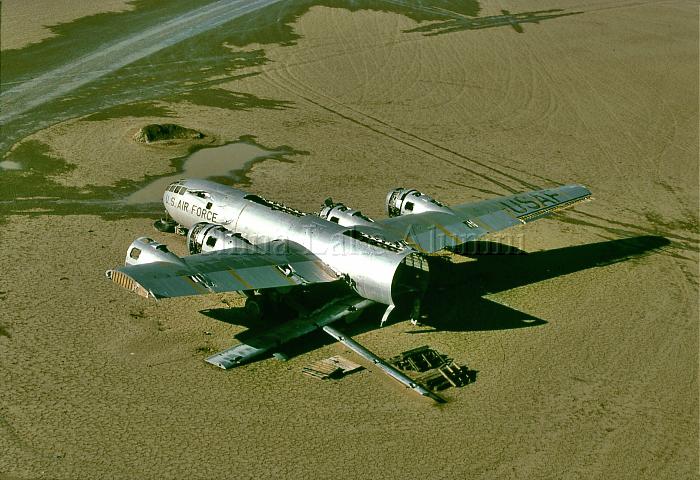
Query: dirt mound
{"type": "Point", "coordinates": [167, 131]}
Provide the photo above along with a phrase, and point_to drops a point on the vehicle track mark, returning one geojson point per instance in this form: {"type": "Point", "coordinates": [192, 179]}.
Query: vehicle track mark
{"type": "Point", "coordinates": [426, 146]}
{"type": "Point", "coordinates": [404, 142]}
{"type": "Point", "coordinates": [334, 109]}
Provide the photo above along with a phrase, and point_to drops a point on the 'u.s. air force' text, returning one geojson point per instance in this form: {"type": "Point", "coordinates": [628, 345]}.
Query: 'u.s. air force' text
{"type": "Point", "coordinates": [192, 208]}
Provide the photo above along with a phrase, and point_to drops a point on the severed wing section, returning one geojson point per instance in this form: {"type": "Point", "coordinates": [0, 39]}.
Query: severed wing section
{"type": "Point", "coordinates": [235, 269]}
{"type": "Point", "coordinates": [334, 310]}
{"type": "Point", "coordinates": [431, 231]}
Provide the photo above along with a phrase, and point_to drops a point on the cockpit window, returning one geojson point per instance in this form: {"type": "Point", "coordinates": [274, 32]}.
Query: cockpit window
{"type": "Point", "coordinates": [135, 253]}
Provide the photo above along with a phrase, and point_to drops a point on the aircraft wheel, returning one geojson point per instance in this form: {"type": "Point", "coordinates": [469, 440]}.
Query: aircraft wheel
{"type": "Point", "coordinates": [165, 225]}
{"type": "Point", "coordinates": [255, 307]}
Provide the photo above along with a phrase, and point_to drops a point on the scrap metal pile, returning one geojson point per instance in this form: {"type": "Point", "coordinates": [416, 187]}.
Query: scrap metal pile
{"type": "Point", "coordinates": [438, 371]}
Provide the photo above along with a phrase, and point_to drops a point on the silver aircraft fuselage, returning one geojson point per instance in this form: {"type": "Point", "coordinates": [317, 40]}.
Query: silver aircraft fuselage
{"type": "Point", "coordinates": [375, 268]}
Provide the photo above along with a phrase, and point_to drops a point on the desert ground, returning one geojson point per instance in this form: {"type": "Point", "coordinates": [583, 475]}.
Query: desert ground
{"type": "Point", "coordinates": [586, 346]}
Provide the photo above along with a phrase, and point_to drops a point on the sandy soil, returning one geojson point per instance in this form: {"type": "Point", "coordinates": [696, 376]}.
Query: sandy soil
{"type": "Point", "coordinates": [105, 384]}
{"type": "Point", "coordinates": [104, 152]}
{"type": "Point", "coordinates": [25, 22]}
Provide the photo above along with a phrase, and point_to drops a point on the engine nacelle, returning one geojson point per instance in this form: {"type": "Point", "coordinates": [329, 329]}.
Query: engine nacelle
{"type": "Point", "coordinates": [146, 250]}
{"type": "Point", "coordinates": [142, 251]}
{"type": "Point", "coordinates": [342, 215]}
{"type": "Point", "coordinates": [209, 237]}
{"type": "Point", "coordinates": [405, 201]}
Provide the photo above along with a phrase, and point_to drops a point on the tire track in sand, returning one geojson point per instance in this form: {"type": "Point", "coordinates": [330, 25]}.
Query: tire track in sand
{"type": "Point", "coordinates": [286, 81]}
{"type": "Point", "coordinates": [283, 79]}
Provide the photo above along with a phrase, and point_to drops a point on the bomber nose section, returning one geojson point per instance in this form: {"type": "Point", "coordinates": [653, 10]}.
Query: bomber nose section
{"type": "Point", "coordinates": [177, 203]}
{"type": "Point", "coordinates": [168, 223]}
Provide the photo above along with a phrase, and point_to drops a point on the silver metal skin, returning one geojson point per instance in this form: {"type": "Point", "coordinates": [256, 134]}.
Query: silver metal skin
{"type": "Point", "coordinates": [407, 201]}
{"type": "Point", "coordinates": [146, 250]}
{"type": "Point", "coordinates": [164, 275]}
{"type": "Point", "coordinates": [209, 237]}
{"type": "Point", "coordinates": [428, 226]}
{"type": "Point", "coordinates": [371, 265]}
{"type": "Point", "coordinates": [342, 215]}
{"type": "Point", "coordinates": [380, 260]}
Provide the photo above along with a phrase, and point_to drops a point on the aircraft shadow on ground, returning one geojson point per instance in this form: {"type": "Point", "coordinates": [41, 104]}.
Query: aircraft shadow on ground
{"type": "Point", "coordinates": [454, 299]}
{"type": "Point", "coordinates": [515, 20]}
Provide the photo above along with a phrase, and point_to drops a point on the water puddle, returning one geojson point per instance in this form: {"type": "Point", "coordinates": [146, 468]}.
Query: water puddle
{"type": "Point", "coordinates": [206, 163]}
{"type": "Point", "coordinates": [10, 165]}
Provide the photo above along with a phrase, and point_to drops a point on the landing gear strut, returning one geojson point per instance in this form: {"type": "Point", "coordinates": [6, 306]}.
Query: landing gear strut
{"type": "Point", "coordinates": [272, 304]}
{"type": "Point", "coordinates": [165, 224]}
{"type": "Point", "coordinates": [415, 312]}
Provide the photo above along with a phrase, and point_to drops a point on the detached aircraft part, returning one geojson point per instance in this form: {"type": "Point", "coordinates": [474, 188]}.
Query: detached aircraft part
{"type": "Point", "coordinates": [337, 309]}
{"type": "Point", "coordinates": [388, 369]}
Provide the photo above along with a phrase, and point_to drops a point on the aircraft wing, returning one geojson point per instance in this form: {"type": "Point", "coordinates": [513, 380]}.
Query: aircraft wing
{"type": "Point", "coordinates": [432, 231]}
{"type": "Point", "coordinates": [223, 271]}
{"type": "Point", "coordinates": [339, 308]}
